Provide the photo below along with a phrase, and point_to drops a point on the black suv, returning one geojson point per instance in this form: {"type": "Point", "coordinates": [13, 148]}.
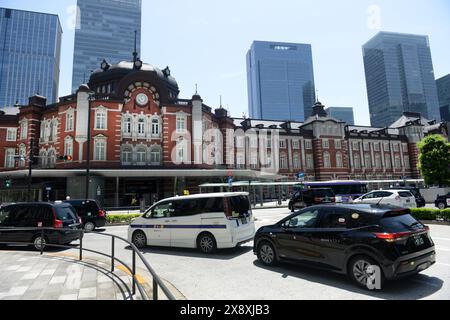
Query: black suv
{"type": "Point", "coordinates": [443, 202]}
{"type": "Point", "coordinates": [349, 239]}
{"type": "Point", "coordinates": [420, 200]}
{"type": "Point", "coordinates": [37, 215]}
{"type": "Point", "coordinates": [91, 214]}
{"type": "Point", "coordinates": [310, 197]}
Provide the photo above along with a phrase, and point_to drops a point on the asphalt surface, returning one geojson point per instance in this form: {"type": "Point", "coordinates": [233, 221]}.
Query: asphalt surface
{"type": "Point", "coordinates": [235, 274]}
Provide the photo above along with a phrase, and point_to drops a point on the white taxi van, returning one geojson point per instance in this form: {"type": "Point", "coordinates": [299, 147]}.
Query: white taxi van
{"type": "Point", "coordinates": [206, 221]}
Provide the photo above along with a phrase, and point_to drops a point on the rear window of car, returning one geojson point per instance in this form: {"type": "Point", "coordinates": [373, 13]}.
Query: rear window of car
{"type": "Point", "coordinates": [324, 193]}
{"type": "Point", "coordinates": [237, 207]}
{"type": "Point", "coordinates": [65, 213]}
{"type": "Point", "coordinates": [397, 222]}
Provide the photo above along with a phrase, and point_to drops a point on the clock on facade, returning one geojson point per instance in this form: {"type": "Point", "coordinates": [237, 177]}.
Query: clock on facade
{"type": "Point", "coordinates": [142, 99]}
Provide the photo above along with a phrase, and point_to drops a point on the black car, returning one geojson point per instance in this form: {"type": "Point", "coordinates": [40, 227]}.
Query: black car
{"type": "Point", "coordinates": [420, 200]}
{"type": "Point", "coordinates": [91, 214]}
{"type": "Point", "coordinates": [348, 239]}
{"type": "Point", "coordinates": [37, 215]}
{"type": "Point", "coordinates": [443, 202]}
{"type": "Point", "coordinates": [310, 197]}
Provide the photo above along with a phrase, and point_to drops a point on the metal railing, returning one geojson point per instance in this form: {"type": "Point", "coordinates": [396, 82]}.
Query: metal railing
{"type": "Point", "coordinates": [157, 282]}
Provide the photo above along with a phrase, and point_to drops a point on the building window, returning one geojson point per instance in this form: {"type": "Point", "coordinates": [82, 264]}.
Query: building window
{"type": "Point", "coordinates": [355, 145]}
{"type": "Point", "coordinates": [100, 149]}
{"type": "Point", "coordinates": [141, 126]}
{"type": "Point", "coordinates": [388, 162]}
{"type": "Point", "coordinates": [357, 162]}
{"type": "Point", "coordinates": [308, 144]}
{"type": "Point", "coordinates": [68, 146]}
{"type": "Point", "coordinates": [127, 155]}
{"type": "Point", "coordinates": [141, 156]}
{"type": "Point", "coordinates": [240, 142]}
{"type": "Point", "coordinates": [181, 153]}
{"type": "Point", "coordinates": [367, 161]}
{"type": "Point", "coordinates": [326, 160]}
{"type": "Point", "coordinates": [386, 146]}
{"type": "Point", "coordinates": [269, 142]}
{"type": "Point", "coordinates": [181, 124]}
{"type": "Point", "coordinates": [377, 146]}
{"type": "Point", "coordinates": [407, 163]}
{"type": "Point", "coordinates": [284, 162]}
{"type": "Point", "coordinates": [51, 159]}
{"type": "Point", "coordinates": [127, 125]}
{"type": "Point", "coordinates": [254, 142]}
{"type": "Point", "coordinates": [283, 144]}
{"type": "Point", "coordinates": [156, 131]}
{"type": "Point", "coordinates": [24, 130]}
{"type": "Point", "coordinates": [254, 161]}
{"type": "Point", "coordinates": [53, 130]}
{"type": "Point", "coordinates": [101, 115]}
{"type": "Point", "coordinates": [69, 121]}
{"type": "Point", "coordinates": [326, 144]}
{"type": "Point", "coordinates": [396, 147]}
{"type": "Point", "coordinates": [297, 164]}
{"type": "Point", "coordinates": [366, 146]}
{"type": "Point", "coordinates": [23, 155]}
{"type": "Point", "coordinates": [405, 147]}
{"type": "Point", "coordinates": [240, 161]}
{"type": "Point", "coordinates": [9, 158]}
{"type": "Point", "coordinates": [378, 163]}
{"type": "Point", "coordinates": [337, 144]}
{"type": "Point", "coordinates": [339, 162]}
{"type": "Point", "coordinates": [296, 144]}
{"type": "Point", "coordinates": [11, 134]}
{"type": "Point", "coordinates": [155, 156]}
{"type": "Point", "coordinates": [43, 159]}
{"type": "Point", "coordinates": [309, 162]}
{"type": "Point", "coordinates": [398, 162]}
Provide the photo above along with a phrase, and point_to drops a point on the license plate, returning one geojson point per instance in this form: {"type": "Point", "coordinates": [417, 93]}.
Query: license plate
{"type": "Point", "coordinates": [418, 241]}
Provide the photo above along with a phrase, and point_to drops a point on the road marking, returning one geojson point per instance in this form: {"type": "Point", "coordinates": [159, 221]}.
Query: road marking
{"type": "Point", "coordinates": [138, 277]}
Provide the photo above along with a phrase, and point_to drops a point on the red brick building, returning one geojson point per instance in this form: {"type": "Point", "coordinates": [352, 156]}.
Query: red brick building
{"type": "Point", "coordinates": [147, 142]}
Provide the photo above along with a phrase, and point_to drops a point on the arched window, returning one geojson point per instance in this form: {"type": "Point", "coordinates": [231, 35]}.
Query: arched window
{"type": "Point", "coordinates": [156, 128]}
{"type": "Point", "coordinates": [69, 121]}
{"type": "Point", "coordinates": [155, 156]}
{"type": "Point", "coordinates": [127, 155]}
{"type": "Point", "coordinates": [297, 164]}
{"type": "Point", "coordinates": [141, 155]}
{"type": "Point", "coordinates": [283, 161]}
{"type": "Point", "coordinates": [100, 148]}
{"type": "Point", "coordinates": [326, 160]}
{"type": "Point", "coordinates": [68, 146]}
{"type": "Point", "coordinates": [43, 159]}
{"type": "Point", "coordinates": [127, 123]}
{"type": "Point", "coordinates": [339, 162]}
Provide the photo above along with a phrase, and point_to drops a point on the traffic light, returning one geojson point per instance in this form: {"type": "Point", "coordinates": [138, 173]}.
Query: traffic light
{"type": "Point", "coordinates": [65, 158]}
{"type": "Point", "coordinates": [8, 183]}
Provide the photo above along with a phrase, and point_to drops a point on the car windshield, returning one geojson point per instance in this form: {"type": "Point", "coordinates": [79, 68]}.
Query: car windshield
{"type": "Point", "coordinates": [323, 193]}
{"type": "Point", "coordinates": [405, 194]}
{"type": "Point", "coordinates": [65, 213]}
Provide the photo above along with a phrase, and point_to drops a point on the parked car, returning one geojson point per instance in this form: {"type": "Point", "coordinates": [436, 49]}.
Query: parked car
{"type": "Point", "coordinates": [206, 221]}
{"type": "Point", "coordinates": [36, 215]}
{"type": "Point", "coordinates": [400, 198]}
{"type": "Point", "coordinates": [310, 197]}
{"type": "Point", "coordinates": [348, 238]}
{"type": "Point", "coordinates": [420, 200]}
{"type": "Point", "coordinates": [443, 202]}
{"type": "Point", "coordinates": [91, 213]}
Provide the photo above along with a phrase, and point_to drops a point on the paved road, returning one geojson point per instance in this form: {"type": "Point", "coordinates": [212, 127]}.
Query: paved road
{"type": "Point", "coordinates": [236, 273]}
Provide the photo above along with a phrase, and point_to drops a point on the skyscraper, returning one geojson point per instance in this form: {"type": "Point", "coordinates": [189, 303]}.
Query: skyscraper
{"type": "Point", "coordinates": [30, 50]}
{"type": "Point", "coordinates": [105, 30]}
{"type": "Point", "coordinates": [399, 77]}
{"type": "Point", "coordinates": [342, 113]}
{"type": "Point", "coordinates": [280, 79]}
{"type": "Point", "coordinates": [443, 87]}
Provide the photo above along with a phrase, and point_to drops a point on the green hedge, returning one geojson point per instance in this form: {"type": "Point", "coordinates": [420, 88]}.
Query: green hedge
{"type": "Point", "coordinates": [431, 214]}
{"type": "Point", "coordinates": [121, 218]}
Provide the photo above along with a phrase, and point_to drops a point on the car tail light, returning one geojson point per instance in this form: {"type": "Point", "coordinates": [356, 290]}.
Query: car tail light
{"type": "Point", "coordinates": [102, 213]}
{"type": "Point", "coordinates": [392, 236]}
{"type": "Point", "coordinates": [317, 199]}
{"type": "Point", "coordinates": [333, 199]}
{"type": "Point", "coordinates": [57, 224]}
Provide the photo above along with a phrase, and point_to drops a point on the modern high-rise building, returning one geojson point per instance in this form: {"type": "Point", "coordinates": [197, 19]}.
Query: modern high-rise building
{"type": "Point", "coordinates": [399, 77]}
{"type": "Point", "coordinates": [342, 113]}
{"type": "Point", "coordinates": [30, 50]}
{"type": "Point", "coordinates": [280, 79]}
{"type": "Point", "coordinates": [443, 87]}
{"type": "Point", "coordinates": [105, 29]}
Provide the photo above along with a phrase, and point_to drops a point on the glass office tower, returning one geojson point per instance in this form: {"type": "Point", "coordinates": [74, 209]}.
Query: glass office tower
{"type": "Point", "coordinates": [280, 79]}
{"type": "Point", "coordinates": [399, 77]}
{"type": "Point", "coordinates": [345, 114]}
{"type": "Point", "coordinates": [105, 30]}
{"type": "Point", "coordinates": [30, 50]}
{"type": "Point", "coordinates": [443, 87]}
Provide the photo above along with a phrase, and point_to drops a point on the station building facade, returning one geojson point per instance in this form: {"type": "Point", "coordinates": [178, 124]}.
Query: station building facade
{"type": "Point", "coordinates": [148, 143]}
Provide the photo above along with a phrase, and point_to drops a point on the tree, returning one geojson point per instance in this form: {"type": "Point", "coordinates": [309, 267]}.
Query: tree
{"type": "Point", "coordinates": [434, 160]}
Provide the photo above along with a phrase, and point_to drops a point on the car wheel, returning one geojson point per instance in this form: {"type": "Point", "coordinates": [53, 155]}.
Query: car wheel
{"type": "Point", "coordinates": [139, 239]}
{"type": "Point", "coordinates": [206, 243]}
{"type": "Point", "coordinates": [441, 205]}
{"type": "Point", "coordinates": [38, 242]}
{"type": "Point", "coordinates": [359, 271]}
{"type": "Point", "coordinates": [266, 254]}
{"type": "Point", "coordinates": [89, 226]}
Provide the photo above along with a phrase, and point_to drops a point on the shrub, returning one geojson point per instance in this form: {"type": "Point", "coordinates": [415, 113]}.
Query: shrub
{"type": "Point", "coordinates": [431, 214]}
{"type": "Point", "coordinates": [121, 218]}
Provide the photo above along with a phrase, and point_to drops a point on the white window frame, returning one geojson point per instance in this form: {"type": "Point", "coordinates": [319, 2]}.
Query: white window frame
{"type": "Point", "coordinates": [10, 162]}
{"type": "Point", "coordinates": [181, 123]}
{"type": "Point", "coordinates": [128, 151]}
{"type": "Point", "coordinates": [70, 120]}
{"type": "Point", "coordinates": [100, 142]}
{"type": "Point", "coordinates": [339, 160]}
{"type": "Point", "coordinates": [326, 160]}
{"type": "Point", "coordinates": [68, 146]}
{"type": "Point", "coordinates": [101, 119]}
{"type": "Point", "coordinates": [11, 134]}
{"type": "Point", "coordinates": [141, 150]}
{"type": "Point", "coordinates": [24, 129]}
{"type": "Point", "coordinates": [326, 144]}
{"type": "Point", "coordinates": [337, 144]}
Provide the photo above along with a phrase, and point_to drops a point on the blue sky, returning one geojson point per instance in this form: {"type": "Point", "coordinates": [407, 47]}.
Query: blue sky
{"type": "Point", "coordinates": [205, 41]}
